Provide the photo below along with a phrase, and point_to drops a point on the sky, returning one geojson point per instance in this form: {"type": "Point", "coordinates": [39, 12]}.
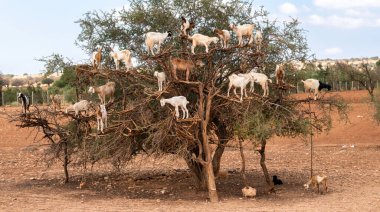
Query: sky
{"type": "Point", "coordinates": [335, 29]}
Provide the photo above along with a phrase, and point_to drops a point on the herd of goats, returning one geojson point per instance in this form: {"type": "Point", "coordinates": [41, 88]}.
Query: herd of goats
{"type": "Point", "coordinates": [155, 39]}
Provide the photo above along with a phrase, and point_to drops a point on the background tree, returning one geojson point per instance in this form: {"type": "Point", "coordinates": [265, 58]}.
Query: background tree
{"type": "Point", "coordinates": [47, 81]}
{"type": "Point", "coordinates": [54, 63]}
{"type": "Point", "coordinates": [365, 75]}
{"type": "Point", "coordinates": [18, 82]}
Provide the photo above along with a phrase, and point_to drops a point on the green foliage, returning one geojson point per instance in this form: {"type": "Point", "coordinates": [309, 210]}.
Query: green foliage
{"type": "Point", "coordinates": [54, 63]}
{"type": "Point", "coordinates": [47, 81]}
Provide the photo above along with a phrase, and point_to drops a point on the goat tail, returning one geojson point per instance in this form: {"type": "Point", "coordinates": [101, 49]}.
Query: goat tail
{"type": "Point", "coordinates": [269, 80]}
{"type": "Point", "coordinates": [302, 81]}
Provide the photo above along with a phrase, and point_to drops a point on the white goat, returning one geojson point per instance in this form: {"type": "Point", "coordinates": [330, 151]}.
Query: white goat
{"type": "Point", "coordinates": [243, 30]}
{"type": "Point", "coordinates": [82, 105]}
{"type": "Point", "coordinates": [239, 82]}
{"type": "Point", "coordinates": [177, 101]}
{"type": "Point", "coordinates": [161, 79]}
{"type": "Point", "coordinates": [96, 58]}
{"type": "Point", "coordinates": [105, 90]}
{"type": "Point", "coordinates": [258, 40]}
{"type": "Point", "coordinates": [224, 36]}
{"type": "Point", "coordinates": [101, 117]}
{"type": "Point", "coordinates": [259, 78]}
{"type": "Point", "coordinates": [186, 26]}
{"type": "Point", "coordinates": [248, 191]}
{"type": "Point", "coordinates": [199, 39]}
{"type": "Point", "coordinates": [153, 38]}
{"type": "Point", "coordinates": [124, 56]}
{"type": "Point", "coordinates": [314, 85]}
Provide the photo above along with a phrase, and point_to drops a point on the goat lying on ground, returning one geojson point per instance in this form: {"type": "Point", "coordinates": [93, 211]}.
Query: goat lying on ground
{"type": "Point", "coordinates": [186, 26]}
{"type": "Point", "coordinates": [243, 30]}
{"type": "Point", "coordinates": [161, 79]}
{"type": "Point", "coordinates": [249, 191]}
{"type": "Point", "coordinates": [105, 90]}
{"type": "Point", "coordinates": [25, 101]}
{"type": "Point", "coordinates": [82, 105]}
{"type": "Point", "coordinates": [124, 56]}
{"type": "Point", "coordinates": [314, 85]}
{"type": "Point", "coordinates": [96, 59]}
{"type": "Point", "coordinates": [177, 101]}
{"type": "Point", "coordinates": [183, 65]}
{"type": "Point", "coordinates": [239, 82]}
{"type": "Point", "coordinates": [276, 180]}
{"type": "Point", "coordinates": [199, 39]}
{"type": "Point", "coordinates": [101, 117]}
{"type": "Point", "coordinates": [224, 36]}
{"type": "Point", "coordinates": [317, 180]}
{"type": "Point", "coordinates": [153, 38]}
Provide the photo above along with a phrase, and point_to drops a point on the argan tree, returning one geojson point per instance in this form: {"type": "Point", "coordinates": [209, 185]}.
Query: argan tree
{"type": "Point", "coordinates": [138, 123]}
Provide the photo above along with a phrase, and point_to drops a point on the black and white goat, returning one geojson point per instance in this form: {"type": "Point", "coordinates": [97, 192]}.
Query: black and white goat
{"type": "Point", "coordinates": [25, 101]}
{"type": "Point", "coordinates": [314, 85]}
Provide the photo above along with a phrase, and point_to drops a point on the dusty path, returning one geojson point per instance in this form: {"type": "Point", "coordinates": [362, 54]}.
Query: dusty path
{"type": "Point", "coordinates": [161, 185]}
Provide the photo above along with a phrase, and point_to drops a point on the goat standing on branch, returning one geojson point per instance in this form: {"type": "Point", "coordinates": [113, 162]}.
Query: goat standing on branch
{"type": "Point", "coordinates": [314, 85]}
{"type": "Point", "coordinates": [224, 36]}
{"type": "Point", "coordinates": [183, 65]}
{"type": "Point", "coordinates": [105, 90]}
{"type": "Point", "coordinates": [241, 82]}
{"type": "Point", "coordinates": [124, 56]}
{"type": "Point", "coordinates": [153, 38]}
{"type": "Point", "coordinates": [259, 78]}
{"type": "Point", "coordinates": [177, 101]}
{"type": "Point", "coordinates": [243, 30]}
{"type": "Point", "coordinates": [258, 40]}
{"type": "Point", "coordinates": [199, 39]}
{"type": "Point", "coordinates": [82, 105]}
{"type": "Point", "coordinates": [186, 26]}
{"type": "Point", "coordinates": [280, 74]}
{"type": "Point", "coordinates": [25, 101]}
{"type": "Point", "coordinates": [96, 59]}
{"type": "Point", "coordinates": [101, 117]}
{"type": "Point", "coordinates": [161, 79]}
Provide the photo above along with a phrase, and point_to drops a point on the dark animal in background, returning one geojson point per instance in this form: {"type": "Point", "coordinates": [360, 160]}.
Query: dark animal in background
{"type": "Point", "coordinates": [25, 101]}
{"type": "Point", "coordinates": [324, 85]}
{"type": "Point", "coordinates": [277, 180]}
{"type": "Point", "coordinates": [186, 26]}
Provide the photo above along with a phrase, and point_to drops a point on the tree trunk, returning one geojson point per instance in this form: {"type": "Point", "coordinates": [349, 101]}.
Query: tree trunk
{"type": "Point", "coordinates": [242, 163]}
{"type": "Point", "coordinates": [264, 167]}
{"type": "Point", "coordinates": [65, 161]}
{"type": "Point", "coordinates": [208, 169]}
{"type": "Point", "coordinates": [197, 170]}
{"type": "Point", "coordinates": [221, 132]}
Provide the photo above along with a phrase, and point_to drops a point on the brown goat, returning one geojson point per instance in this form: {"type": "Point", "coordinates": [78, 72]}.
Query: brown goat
{"type": "Point", "coordinates": [97, 58]}
{"type": "Point", "coordinates": [280, 74]}
{"type": "Point", "coordinates": [183, 65]}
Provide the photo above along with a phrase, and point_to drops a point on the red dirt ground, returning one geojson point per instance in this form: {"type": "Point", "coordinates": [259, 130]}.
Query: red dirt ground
{"type": "Point", "coordinates": [148, 184]}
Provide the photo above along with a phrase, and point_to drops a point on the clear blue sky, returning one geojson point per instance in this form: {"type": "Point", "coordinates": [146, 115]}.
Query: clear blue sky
{"type": "Point", "coordinates": [37, 28]}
